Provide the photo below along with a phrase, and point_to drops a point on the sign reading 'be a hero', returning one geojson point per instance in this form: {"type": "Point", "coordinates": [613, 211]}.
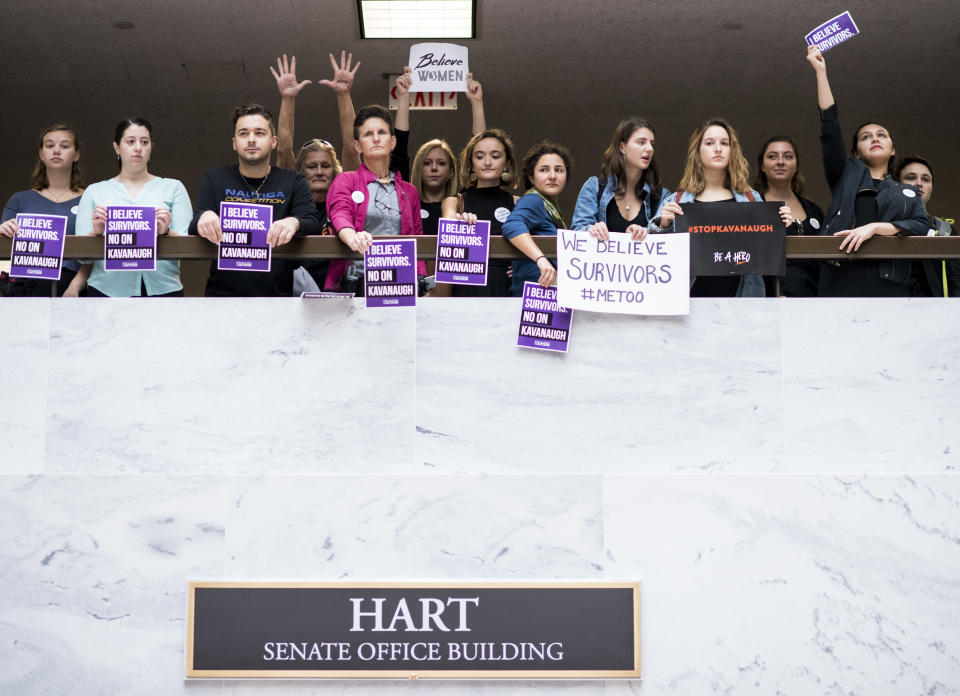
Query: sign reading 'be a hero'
{"type": "Point", "coordinates": [438, 67]}
{"type": "Point", "coordinates": [520, 630]}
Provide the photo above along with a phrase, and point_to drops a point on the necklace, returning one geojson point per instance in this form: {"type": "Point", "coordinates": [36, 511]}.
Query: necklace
{"type": "Point", "coordinates": [256, 191]}
{"type": "Point", "coordinates": [58, 198]}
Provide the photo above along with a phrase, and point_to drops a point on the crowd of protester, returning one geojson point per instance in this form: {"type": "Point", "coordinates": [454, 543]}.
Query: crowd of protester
{"type": "Point", "coordinates": [372, 189]}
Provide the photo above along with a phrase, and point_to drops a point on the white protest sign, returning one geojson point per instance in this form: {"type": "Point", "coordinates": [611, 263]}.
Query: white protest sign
{"type": "Point", "coordinates": [438, 67]}
{"type": "Point", "coordinates": [622, 276]}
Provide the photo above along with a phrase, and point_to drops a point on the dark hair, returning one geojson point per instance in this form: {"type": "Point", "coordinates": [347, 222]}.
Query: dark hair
{"type": "Point", "coordinates": [912, 159]}
{"type": "Point", "coordinates": [544, 147]}
{"type": "Point", "coordinates": [796, 183]}
{"type": "Point", "coordinates": [122, 128]}
{"type": "Point", "coordinates": [39, 180]}
{"type": "Point", "coordinates": [468, 177]}
{"type": "Point", "coordinates": [368, 112]}
{"type": "Point", "coordinates": [126, 123]}
{"type": "Point", "coordinates": [612, 162]}
{"type": "Point", "coordinates": [254, 110]}
{"type": "Point", "coordinates": [856, 137]}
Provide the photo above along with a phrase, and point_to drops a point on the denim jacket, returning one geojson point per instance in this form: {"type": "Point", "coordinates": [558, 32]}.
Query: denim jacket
{"type": "Point", "coordinates": [751, 285]}
{"type": "Point", "coordinates": [589, 212]}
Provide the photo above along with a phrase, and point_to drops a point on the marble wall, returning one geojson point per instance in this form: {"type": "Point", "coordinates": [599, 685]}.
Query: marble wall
{"type": "Point", "coordinates": [779, 475]}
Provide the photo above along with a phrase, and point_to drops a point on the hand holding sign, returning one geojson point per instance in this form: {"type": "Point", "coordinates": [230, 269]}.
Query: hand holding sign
{"type": "Point", "coordinates": [439, 67]}
{"type": "Point", "coordinates": [9, 228]}
{"type": "Point", "coordinates": [282, 231]}
{"type": "Point", "coordinates": [404, 81]}
{"type": "Point", "coordinates": [815, 58]}
{"type": "Point", "coordinates": [99, 220]}
{"type": "Point", "coordinates": [668, 212]}
{"type": "Point", "coordinates": [343, 74]}
{"type": "Point", "coordinates": [163, 219]}
{"type": "Point", "coordinates": [208, 227]}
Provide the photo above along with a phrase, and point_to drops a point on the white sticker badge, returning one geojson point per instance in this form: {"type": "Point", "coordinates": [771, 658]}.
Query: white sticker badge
{"type": "Point", "coordinates": [357, 196]}
{"type": "Point", "coordinates": [501, 214]}
{"type": "Point", "coordinates": [424, 213]}
{"type": "Point", "coordinates": [75, 209]}
{"type": "Point", "coordinates": [814, 223]}
{"type": "Point", "coordinates": [909, 193]}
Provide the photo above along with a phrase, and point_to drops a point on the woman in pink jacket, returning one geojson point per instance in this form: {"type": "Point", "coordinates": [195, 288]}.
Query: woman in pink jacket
{"type": "Point", "coordinates": [372, 201]}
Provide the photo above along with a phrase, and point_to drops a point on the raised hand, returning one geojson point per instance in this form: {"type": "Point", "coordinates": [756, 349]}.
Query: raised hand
{"type": "Point", "coordinates": [286, 77]}
{"type": "Point", "coordinates": [815, 58]}
{"type": "Point", "coordinates": [404, 82]}
{"type": "Point", "coordinates": [343, 74]}
{"type": "Point", "coordinates": [474, 90]}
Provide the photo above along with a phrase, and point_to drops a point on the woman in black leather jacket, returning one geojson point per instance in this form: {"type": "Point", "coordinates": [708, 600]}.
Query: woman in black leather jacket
{"type": "Point", "coordinates": [866, 201]}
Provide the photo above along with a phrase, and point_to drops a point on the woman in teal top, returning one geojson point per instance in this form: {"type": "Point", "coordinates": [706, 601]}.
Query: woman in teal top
{"type": "Point", "coordinates": [135, 185]}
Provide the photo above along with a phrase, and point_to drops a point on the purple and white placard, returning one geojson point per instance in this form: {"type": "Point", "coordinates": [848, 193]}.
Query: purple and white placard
{"type": "Point", "coordinates": [327, 295]}
{"type": "Point", "coordinates": [38, 246]}
{"type": "Point", "coordinates": [390, 273]}
{"type": "Point", "coordinates": [462, 252]}
{"type": "Point", "coordinates": [244, 246]}
{"type": "Point", "coordinates": [130, 238]}
{"type": "Point", "coordinates": [544, 324]}
{"type": "Point", "coordinates": [833, 32]}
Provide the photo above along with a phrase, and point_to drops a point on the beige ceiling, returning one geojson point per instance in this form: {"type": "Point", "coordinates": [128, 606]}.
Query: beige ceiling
{"type": "Point", "coordinates": [564, 70]}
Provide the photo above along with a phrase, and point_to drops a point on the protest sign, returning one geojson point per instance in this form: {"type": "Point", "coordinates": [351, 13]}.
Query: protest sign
{"type": "Point", "coordinates": [833, 32]}
{"type": "Point", "coordinates": [37, 250]}
{"type": "Point", "coordinates": [622, 276]}
{"type": "Point", "coordinates": [438, 67]}
{"type": "Point", "coordinates": [390, 273]}
{"type": "Point", "coordinates": [326, 295]}
{"type": "Point", "coordinates": [422, 101]}
{"type": "Point", "coordinates": [130, 238]}
{"type": "Point", "coordinates": [462, 252]}
{"type": "Point", "coordinates": [734, 238]}
{"type": "Point", "coordinates": [544, 324]}
{"type": "Point", "coordinates": [244, 246]}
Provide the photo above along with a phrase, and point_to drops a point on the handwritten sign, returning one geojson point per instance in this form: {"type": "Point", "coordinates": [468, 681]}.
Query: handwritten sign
{"type": "Point", "coordinates": [390, 273]}
{"type": "Point", "coordinates": [833, 32]}
{"type": "Point", "coordinates": [734, 238]}
{"type": "Point", "coordinates": [130, 238]}
{"type": "Point", "coordinates": [544, 324]}
{"type": "Point", "coordinates": [622, 276]}
{"type": "Point", "coordinates": [438, 67]}
{"type": "Point", "coordinates": [244, 246]}
{"type": "Point", "coordinates": [38, 246]}
{"type": "Point", "coordinates": [462, 252]}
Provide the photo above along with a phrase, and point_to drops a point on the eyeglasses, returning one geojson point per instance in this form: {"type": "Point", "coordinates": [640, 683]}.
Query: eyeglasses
{"type": "Point", "coordinates": [315, 141]}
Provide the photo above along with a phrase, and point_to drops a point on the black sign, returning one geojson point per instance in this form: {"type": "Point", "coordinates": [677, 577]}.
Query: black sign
{"type": "Point", "coordinates": [734, 238]}
{"type": "Point", "coordinates": [448, 630]}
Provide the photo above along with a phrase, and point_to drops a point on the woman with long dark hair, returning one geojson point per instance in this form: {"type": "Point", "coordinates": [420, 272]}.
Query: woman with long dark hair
{"type": "Point", "coordinates": [630, 192]}
{"type": "Point", "coordinates": [135, 185]}
{"type": "Point", "coordinates": [779, 179]}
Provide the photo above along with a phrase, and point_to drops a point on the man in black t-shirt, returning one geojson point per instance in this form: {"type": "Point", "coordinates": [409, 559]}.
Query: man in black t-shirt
{"type": "Point", "coordinates": [253, 180]}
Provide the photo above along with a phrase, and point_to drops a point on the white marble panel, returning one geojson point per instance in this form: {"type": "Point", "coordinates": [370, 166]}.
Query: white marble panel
{"type": "Point", "coordinates": [414, 527]}
{"type": "Point", "coordinates": [790, 584]}
{"type": "Point", "coordinates": [23, 382]}
{"type": "Point", "coordinates": [634, 394]}
{"type": "Point", "coordinates": [93, 573]}
{"type": "Point", "coordinates": [199, 385]}
{"type": "Point", "coordinates": [871, 386]}
{"type": "Point", "coordinates": [419, 687]}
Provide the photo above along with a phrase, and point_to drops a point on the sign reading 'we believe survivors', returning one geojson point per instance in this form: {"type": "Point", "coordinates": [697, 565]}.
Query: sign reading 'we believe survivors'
{"type": "Point", "coordinates": [491, 630]}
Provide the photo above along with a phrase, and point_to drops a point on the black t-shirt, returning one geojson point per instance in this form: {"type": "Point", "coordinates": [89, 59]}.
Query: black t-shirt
{"type": "Point", "coordinates": [287, 192]}
{"type": "Point", "coordinates": [494, 204]}
{"type": "Point", "coordinates": [430, 214]}
{"type": "Point", "coordinates": [617, 223]}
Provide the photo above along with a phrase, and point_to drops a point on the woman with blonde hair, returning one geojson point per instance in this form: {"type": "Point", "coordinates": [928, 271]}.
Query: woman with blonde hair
{"type": "Point", "coordinates": [716, 171]}
{"type": "Point", "coordinates": [434, 174]}
{"type": "Point", "coordinates": [56, 185]}
{"type": "Point", "coordinates": [488, 174]}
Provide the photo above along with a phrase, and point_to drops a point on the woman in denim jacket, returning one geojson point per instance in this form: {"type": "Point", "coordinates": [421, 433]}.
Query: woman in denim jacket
{"type": "Point", "coordinates": [631, 190]}
{"type": "Point", "coordinates": [716, 171]}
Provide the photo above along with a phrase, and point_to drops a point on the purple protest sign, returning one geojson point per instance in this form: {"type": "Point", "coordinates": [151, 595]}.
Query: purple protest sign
{"type": "Point", "coordinates": [38, 246]}
{"type": "Point", "coordinates": [544, 324]}
{"type": "Point", "coordinates": [462, 252]}
{"type": "Point", "coordinates": [244, 246]}
{"type": "Point", "coordinates": [833, 32]}
{"type": "Point", "coordinates": [390, 273]}
{"type": "Point", "coordinates": [130, 238]}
